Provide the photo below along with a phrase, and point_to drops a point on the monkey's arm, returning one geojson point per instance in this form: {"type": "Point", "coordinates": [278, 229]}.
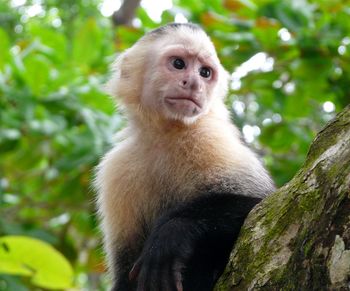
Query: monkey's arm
{"type": "Point", "coordinates": [189, 245]}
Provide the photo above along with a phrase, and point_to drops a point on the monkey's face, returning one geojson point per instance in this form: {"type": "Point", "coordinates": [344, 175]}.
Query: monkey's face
{"type": "Point", "coordinates": [179, 83]}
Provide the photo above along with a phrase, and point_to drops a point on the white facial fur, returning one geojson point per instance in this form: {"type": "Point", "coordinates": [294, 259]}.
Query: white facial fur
{"type": "Point", "coordinates": [181, 92]}
{"type": "Point", "coordinates": [145, 76]}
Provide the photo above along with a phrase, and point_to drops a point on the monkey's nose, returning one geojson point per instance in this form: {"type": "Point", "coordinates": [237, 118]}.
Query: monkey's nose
{"type": "Point", "coordinates": [184, 84]}
{"type": "Point", "coordinates": [189, 83]}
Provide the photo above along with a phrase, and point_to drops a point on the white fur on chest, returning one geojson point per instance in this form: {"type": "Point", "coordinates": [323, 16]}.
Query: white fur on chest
{"type": "Point", "coordinates": [142, 175]}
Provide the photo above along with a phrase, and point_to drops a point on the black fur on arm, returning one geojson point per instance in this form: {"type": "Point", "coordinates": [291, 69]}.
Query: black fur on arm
{"type": "Point", "coordinates": [189, 246]}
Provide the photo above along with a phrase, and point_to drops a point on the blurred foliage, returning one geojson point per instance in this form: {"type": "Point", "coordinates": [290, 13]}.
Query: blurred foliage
{"type": "Point", "coordinates": [36, 259]}
{"type": "Point", "coordinates": [291, 70]}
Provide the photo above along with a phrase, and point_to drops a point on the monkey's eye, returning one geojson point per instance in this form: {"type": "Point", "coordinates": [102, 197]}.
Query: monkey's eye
{"type": "Point", "coordinates": [178, 64]}
{"type": "Point", "coordinates": [205, 72]}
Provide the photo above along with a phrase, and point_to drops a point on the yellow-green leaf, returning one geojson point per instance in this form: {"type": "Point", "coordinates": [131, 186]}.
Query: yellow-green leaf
{"type": "Point", "coordinates": [48, 268]}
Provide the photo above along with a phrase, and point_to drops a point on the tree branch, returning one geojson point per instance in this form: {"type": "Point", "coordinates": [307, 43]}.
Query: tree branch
{"type": "Point", "coordinates": [126, 12]}
{"type": "Point", "coordinates": [299, 237]}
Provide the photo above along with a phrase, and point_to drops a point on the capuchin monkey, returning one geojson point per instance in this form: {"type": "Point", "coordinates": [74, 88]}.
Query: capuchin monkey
{"type": "Point", "coordinates": [175, 190]}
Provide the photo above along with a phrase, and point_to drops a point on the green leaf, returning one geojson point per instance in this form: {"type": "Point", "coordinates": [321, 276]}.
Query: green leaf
{"type": "Point", "coordinates": [4, 47]}
{"type": "Point", "coordinates": [87, 40]}
{"type": "Point", "coordinates": [243, 8]}
{"type": "Point", "coordinates": [50, 38]}
{"type": "Point", "coordinates": [293, 15]}
{"type": "Point", "coordinates": [36, 73]}
{"type": "Point", "coordinates": [266, 32]}
{"type": "Point", "coordinates": [20, 255]}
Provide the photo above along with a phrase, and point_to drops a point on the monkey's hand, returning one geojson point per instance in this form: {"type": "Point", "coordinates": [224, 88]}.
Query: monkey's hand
{"type": "Point", "coordinates": [164, 256]}
{"type": "Point", "coordinates": [189, 246]}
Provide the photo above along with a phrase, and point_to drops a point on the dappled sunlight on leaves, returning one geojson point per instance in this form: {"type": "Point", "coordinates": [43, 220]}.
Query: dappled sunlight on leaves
{"type": "Point", "coordinates": [289, 62]}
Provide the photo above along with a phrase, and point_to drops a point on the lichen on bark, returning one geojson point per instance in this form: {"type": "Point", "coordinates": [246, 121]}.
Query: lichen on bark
{"type": "Point", "coordinates": [299, 237]}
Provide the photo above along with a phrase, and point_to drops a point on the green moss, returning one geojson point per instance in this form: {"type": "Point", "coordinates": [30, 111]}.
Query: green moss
{"type": "Point", "coordinates": [298, 222]}
{"type": "Point", "coordinates": [307, 247]}
{"type": "Point", "coordinates": [309, 201]}
{"type": "Point", "coordinates": [326, 137]}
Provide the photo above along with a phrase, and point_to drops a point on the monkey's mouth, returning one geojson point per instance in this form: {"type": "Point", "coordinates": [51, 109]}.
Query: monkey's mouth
{"type": "Point", "coordinates": [185, 100]}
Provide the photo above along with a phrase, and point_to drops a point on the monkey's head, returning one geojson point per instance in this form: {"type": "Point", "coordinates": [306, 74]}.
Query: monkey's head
{"type": "Point", "coordinates": [172, 72]}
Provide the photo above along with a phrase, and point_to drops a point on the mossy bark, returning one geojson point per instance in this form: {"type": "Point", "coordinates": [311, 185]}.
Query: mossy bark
{"type": "Point", "coordinates": [299, 237]}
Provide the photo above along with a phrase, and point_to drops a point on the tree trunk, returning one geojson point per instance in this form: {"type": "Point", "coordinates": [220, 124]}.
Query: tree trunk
{"type": "Point", "coordinates": [299, 237]}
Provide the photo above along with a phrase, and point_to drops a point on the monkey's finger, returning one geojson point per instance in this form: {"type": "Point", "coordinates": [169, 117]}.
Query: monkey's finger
{"type": "Point", "coordinates": [178, 281]}
{"type": "Point", "coordinates": [142, 281]}
{"type": "Point", "coordinates": [135, 270]}
{"type": "Point", "coordinates": [163, 280]}
{"type": "Point", "coordinates": [149, 276]}
{"type": "Point", "coordinates": [177, 271]}
{"type": "Point", "coordinates": [153, 279]}
{"type": "Point", "coordinates": [168, 282]}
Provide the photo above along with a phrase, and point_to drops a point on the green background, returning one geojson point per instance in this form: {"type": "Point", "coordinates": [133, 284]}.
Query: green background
{"type": "Point", "coordinates": [56, 122]}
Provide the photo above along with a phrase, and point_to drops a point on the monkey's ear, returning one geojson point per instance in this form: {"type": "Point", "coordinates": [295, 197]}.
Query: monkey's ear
{"type": "Point", "coordinates": [127, 76]}
{"type": "Point", "coordinates": [111, 87]}
{"type": "Point", "coordinates": [222, 87]}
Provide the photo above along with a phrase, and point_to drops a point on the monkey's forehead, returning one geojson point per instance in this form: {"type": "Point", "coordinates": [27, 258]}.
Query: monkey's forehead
{"type": "Point", "coordinates": [194, 42]}
{"type": "Point", "coordinates": [185, 49]}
